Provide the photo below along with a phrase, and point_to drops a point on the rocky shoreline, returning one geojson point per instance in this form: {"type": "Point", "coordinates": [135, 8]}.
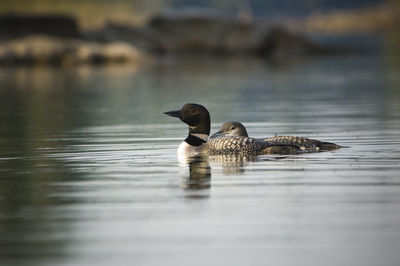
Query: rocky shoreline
{"type": "Point", "coordinates": [41, 49]}
{"type": "Point", "coordinates": [57, 39]}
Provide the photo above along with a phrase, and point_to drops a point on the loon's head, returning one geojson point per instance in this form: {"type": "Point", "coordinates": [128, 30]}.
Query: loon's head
{"type": "Point", "coordinates": [231, 129]}
{"type": "Point", "coordinates": [196, 116]}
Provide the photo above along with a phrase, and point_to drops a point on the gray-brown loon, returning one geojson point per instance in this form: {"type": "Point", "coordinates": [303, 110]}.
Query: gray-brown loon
{"type": "Point", "coordinates": [235, 128]}
{"type": "Point", "coordinates": [197, 143]}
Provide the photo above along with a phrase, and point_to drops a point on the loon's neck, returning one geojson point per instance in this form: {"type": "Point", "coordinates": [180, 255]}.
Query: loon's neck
{"type": "Point", "coordinates": [196, 140]}
{"type": "Point", "coordinates": [198, 133]}
{"type": "Point", "coordinates": [191, 145]}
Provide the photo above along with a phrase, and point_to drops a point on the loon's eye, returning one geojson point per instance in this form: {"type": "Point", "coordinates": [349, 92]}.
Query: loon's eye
{"type": "Point", "coordinates": [232, 128]}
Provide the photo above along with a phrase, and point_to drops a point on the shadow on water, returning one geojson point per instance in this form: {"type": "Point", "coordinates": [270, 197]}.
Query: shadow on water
{"type": "Point", "coordinates": [29, 228]}
{"type": "Point", "coordinates": [34, 225]}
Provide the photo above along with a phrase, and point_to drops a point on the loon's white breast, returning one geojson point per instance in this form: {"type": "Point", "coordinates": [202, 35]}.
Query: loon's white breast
{"type": "Point", "coordinates": [191, 145]}
{"type": "Point", "coordinates": [187, 149]}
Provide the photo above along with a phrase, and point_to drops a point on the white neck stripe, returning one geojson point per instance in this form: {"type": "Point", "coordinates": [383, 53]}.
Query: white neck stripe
{"type": "Point", "coordinates": [200, 136]}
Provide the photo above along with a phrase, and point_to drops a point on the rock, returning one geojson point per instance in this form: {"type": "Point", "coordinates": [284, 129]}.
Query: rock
{"type": "Point", "coordinates": [207, 31]}
{"type": "Point", "coordinates": [188, 31]}
{"type": "Point", "coordinates": [203, 31]}
{"type": "Point", "coordinates": [61, 51]}
{"type": "Point", "coordinates": [13, 26]}
{"type": "Point", "coordinates": [140, 37]}
{"type": "Point", "coordinates": [193, 31]}
{"type": "Point", "coordinates": [279, 42]}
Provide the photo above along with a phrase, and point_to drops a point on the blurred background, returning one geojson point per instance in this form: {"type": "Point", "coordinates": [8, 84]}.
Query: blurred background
{"type": "Point", "coordinates": [94, 13]}
{"type": "Point", "coordinates": [185, 26]}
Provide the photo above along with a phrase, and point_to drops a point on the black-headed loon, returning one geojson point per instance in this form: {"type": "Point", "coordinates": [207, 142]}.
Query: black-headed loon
{"type": "Point", "coordinates": [198, 119]}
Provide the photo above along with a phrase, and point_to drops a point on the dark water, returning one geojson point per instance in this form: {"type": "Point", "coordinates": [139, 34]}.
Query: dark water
{"type": "Point", "coordinates": [89, 174]}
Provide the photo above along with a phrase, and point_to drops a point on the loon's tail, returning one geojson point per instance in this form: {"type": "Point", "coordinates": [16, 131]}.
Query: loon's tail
{"type": "Point", "coordinates": [327, 146]}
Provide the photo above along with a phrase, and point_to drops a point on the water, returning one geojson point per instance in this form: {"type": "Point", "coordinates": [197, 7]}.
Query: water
{"type": "Point", "coordinates": [89, 174]}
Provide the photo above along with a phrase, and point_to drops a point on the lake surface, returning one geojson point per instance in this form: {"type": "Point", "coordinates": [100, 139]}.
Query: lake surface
{"type": "Point", "coordinates": [89, 173]}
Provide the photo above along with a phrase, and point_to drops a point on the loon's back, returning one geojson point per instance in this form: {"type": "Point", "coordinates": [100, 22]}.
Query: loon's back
{"type": "Point", "coordinates": [278, 144]}
{"type": "Point", "coordinates": [245, 145]}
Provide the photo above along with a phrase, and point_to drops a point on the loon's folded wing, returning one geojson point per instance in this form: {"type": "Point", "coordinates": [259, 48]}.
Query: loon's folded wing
{"type": "Point", "coordinates": [246, 145]}
{"type": "Point", "coordinates": [304, 143]}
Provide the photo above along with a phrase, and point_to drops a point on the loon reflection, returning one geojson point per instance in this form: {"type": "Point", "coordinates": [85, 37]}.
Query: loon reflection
{"type": "Point", "coordinates": [200, 167]}
{"type": "Point", "coordinates": [199, 173]}
{"type": "Point", "coordinates": [232, 163]}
